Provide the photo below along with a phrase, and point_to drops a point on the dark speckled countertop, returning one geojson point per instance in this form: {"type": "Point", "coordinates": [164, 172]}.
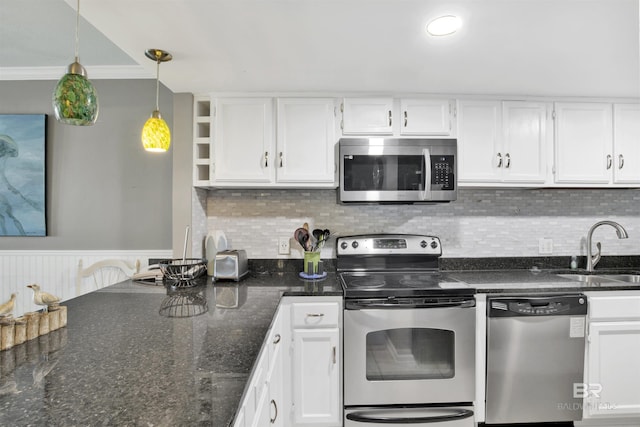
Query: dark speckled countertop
{"type": "Point", "coordinates": [120, 362]}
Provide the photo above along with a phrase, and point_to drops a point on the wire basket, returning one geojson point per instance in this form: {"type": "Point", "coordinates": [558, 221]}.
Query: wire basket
{"type": "Point", "coordinates": [183, 270]}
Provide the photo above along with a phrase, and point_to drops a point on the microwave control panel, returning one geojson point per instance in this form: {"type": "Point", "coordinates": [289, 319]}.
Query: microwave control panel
{"type": "Point", "coordinates": [442, 173]}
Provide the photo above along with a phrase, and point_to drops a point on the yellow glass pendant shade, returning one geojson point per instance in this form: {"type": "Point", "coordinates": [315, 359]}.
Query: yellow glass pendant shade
{"type": "Point", "coordinates": [156, 135]}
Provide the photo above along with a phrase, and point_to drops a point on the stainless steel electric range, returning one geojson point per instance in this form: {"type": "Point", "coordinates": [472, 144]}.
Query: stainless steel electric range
{"type": "Point", "coordinates": [409, 334]}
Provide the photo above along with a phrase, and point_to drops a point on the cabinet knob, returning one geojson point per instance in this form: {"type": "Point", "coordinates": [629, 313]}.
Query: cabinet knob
{"type": "Point", "coordinates": [277, 338]}
{"type": "Point", "coordinates": [620, 161]}
{"type": "Point", "coordinates": [609, 161]}
{"type": "Point", "coordinates": [499, 160]}
{"type": "Point", "coordinates": [275, 415]}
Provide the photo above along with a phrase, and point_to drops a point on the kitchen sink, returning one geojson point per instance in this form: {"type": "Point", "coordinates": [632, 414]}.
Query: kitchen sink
{"type": "Point", "coordinates": [587, 278]}
{"type": "Point", "coordinates": [602, 278]}
{"type": "Point", "coordinates": [628, 278]}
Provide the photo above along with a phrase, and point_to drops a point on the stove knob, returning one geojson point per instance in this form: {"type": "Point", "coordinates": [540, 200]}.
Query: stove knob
{"type": "Point", "coordinates": [344, 245]}
{"type": "Point", "coordinates": [423, 244]}
{"type": "Point", "coordinates": [434, 244]}
{"type": "Point", "coordinates": [354, 244]}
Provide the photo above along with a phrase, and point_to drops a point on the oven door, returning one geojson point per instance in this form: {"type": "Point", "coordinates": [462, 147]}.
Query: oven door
{"type": "Point", "coordinates": [409, 355]}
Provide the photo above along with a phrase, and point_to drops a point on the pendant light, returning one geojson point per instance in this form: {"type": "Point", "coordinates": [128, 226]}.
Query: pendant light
{"type": "Point", "coordinates": [75, 100]}
{"type": "Point", "coordinates": [156, 135]}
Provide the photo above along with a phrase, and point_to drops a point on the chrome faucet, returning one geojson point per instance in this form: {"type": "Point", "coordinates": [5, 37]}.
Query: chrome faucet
{"type": "Point", "coordinates": [620, 231]}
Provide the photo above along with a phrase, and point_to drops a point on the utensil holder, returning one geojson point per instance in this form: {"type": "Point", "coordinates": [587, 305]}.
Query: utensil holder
{"type": "Point", "coordinates": [311, 261]}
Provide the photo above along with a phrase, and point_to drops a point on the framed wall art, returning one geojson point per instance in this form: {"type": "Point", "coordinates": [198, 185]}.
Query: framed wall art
{"type": "Point", "coordinates": [23, 174]}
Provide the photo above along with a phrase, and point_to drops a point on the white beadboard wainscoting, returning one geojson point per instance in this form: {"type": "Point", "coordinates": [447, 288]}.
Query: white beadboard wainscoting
{"type": "Point", "coordinates": [56, 272]}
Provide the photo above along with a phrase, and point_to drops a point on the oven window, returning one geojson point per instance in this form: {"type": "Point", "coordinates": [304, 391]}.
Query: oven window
{"type": "Point", "coordinates": [410, 354]}
{"type": "Point", "coordinates": [384, 173]}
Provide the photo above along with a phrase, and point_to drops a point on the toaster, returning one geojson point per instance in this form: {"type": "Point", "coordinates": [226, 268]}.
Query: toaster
{"type": "Point", "coordinates": [230, 265]}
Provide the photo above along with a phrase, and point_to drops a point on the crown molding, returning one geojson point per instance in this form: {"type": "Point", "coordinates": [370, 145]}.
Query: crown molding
{"type": "Point", "coordinates": [98, 72]}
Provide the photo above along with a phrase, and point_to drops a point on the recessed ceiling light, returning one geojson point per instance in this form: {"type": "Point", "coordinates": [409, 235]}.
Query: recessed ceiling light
{"type": "Point", "coordinates": [444, 25]}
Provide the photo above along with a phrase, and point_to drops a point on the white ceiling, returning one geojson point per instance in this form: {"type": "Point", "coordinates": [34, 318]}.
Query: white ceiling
{"type": "Point", "coordinates": [507, 47]}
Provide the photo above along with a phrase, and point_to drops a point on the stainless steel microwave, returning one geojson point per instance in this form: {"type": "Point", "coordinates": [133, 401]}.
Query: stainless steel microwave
{"type": "Point", "coordinates": [396, 170]}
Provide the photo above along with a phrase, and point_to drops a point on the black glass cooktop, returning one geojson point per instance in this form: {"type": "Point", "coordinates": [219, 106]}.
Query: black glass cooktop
{"type": "Point", "coordinates": [394, 284]}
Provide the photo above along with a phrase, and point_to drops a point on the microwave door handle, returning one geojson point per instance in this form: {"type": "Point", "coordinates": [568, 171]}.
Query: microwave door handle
{"type": "Point", "coordinates": [426, 193]}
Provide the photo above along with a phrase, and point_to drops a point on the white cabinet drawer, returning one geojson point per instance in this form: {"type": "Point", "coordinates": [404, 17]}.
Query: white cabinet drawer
{"type": "Point", "coordinates": [314, 315]}
{"type": "Point", "coordinates": [624, 306]}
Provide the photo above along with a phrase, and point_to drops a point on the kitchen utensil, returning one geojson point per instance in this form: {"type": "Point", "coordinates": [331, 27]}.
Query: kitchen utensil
{"type": "Point", "coordinates": [302, 236]}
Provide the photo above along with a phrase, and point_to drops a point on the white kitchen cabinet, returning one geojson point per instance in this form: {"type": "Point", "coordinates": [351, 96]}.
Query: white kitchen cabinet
{"type": "Point", "coordinates": [263, 402]}
{"type": "Point", "coordinates": [626, 144]}
{"type": "Point", "coordinates": [426, 117]}
{"type": "Point", "coordinates": [244, 141]}
{"type": "Point", "coordinates": [305, 139]}
{"type": "Point", "coordinates": [397, 117]}
{"type": "Point", "coordinates": [479, 141]}
{"type": "Point", "coordinates": [316, 363]}
{"type": "Point", "coordinates": [367, 116]}
{"type": "Point", "coordinates": [502, 142]}
{"type": "Point", "coordinates": [256, 146]}
{"type": "Point", "coordinates": [612, 370]}
{"type": "Point", "coordinates": [583, 143]}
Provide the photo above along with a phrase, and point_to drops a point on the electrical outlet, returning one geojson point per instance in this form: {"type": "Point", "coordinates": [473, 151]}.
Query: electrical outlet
{"type": "Point", "coordinates": [283, 246]}
{"type": "Point", "coordinates": [545, 246]}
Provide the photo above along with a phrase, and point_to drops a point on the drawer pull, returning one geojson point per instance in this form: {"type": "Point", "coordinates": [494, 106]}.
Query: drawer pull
{"type": "Point", "coordinates": [315, 314]}
{"type": "Point", "coordinates": [275, 407]}
{"type": "Point", "coordinates": [609, 161]}
{"type": "Point", "coordinates": [499, 160]}
{"type": "Point", "coordinates": [276, 338]}
{"type": "Point", "coordinates": [620, 161]}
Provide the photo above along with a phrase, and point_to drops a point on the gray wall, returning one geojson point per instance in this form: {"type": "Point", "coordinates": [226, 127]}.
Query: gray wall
{"type": "Point", "coordinates": [103, 190]}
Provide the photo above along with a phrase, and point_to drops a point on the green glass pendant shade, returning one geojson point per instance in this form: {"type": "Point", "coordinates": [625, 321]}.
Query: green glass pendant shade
{"type": "Point", "coordinates": [156, 135]}
{"type": "Point", "coordinates": [75, 100]}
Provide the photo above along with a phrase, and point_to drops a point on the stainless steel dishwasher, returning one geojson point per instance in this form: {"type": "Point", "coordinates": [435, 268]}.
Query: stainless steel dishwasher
{"type": "Point", "coordinates": [535, 355]}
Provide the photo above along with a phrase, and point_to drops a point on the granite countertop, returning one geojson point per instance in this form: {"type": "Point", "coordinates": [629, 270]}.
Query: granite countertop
{"type": "Point", "coordinates": [120, 362]}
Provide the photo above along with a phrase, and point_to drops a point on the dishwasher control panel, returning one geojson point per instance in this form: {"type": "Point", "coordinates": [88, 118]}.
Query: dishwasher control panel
{"type": "Point", "coordinates": [538, 306]}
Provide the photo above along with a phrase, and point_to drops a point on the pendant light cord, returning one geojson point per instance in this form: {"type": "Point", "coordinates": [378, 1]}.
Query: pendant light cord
{"type": "Point", "coordinates": [157, 83]}
{"type": "Point", "coordinates": [77, 31]}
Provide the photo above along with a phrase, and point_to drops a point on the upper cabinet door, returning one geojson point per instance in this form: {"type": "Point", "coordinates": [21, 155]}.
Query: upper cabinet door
{"type": "Point", "coordinates": [367, 116]}
{"type": "Point", "coordinates": [306, 140]}
{"type": "Point", "coordinates": [525, 141]}
{"type": "Point", "coordinates": [425, 117]}
{"type": "Point", "coordinates": [244, 140]}
{"type": "Point", "coordinates": [626, 143]}
{"type": "Point", "coordinates": [584, 137]}
{"type": "Point", "coordinates": [480, 156]}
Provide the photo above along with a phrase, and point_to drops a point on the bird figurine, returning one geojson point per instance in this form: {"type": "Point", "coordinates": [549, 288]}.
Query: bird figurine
{"type": "Point", "coordinates": [6, 309]}
{"type": "Point", "coordinates": [43, 298]}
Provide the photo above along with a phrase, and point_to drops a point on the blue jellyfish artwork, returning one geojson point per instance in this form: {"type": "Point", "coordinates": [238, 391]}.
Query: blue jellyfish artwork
{"type": "Point", "coordinates": [22, 175]}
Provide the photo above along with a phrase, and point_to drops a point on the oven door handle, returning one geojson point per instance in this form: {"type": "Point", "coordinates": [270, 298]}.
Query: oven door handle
{"type": "Point", "coordinates": [364, 304]}
{"type": "Point", "coordinates": [409, 415]}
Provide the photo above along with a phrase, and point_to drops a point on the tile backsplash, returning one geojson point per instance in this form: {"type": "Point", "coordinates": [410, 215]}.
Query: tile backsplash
{"type": "Point", "coordinates": [481, 223]}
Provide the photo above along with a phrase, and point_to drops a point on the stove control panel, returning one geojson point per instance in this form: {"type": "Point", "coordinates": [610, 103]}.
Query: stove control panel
{"type": "Point", "coordinates": [389, 244]}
